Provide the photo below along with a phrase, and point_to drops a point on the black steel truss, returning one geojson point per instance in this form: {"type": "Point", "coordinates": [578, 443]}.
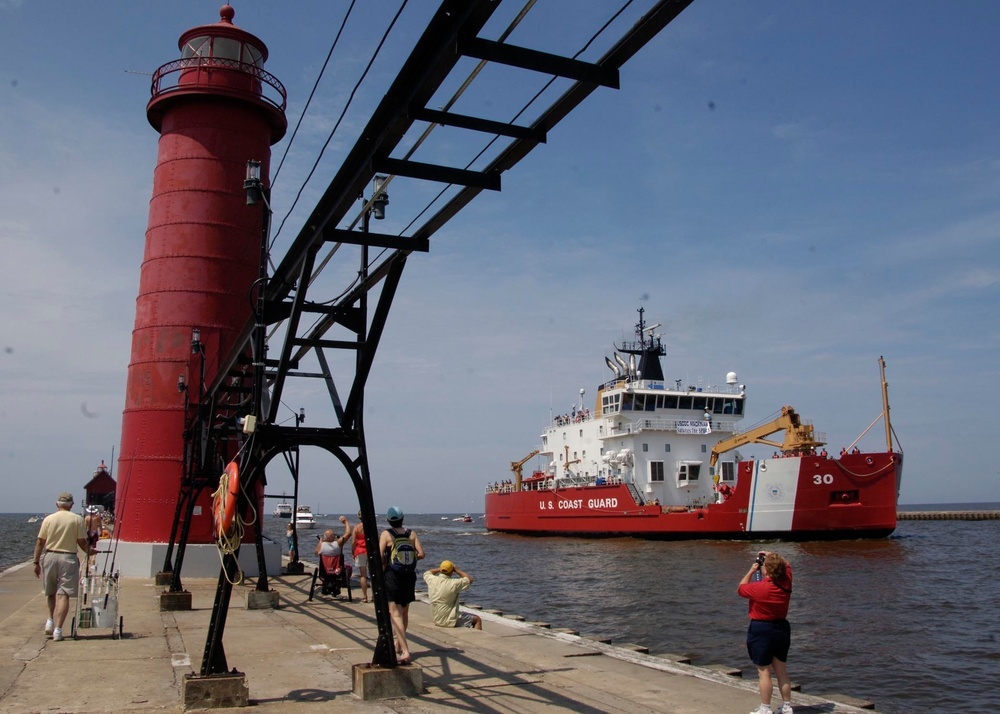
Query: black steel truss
{"type": "Point", "coordinates": [249, 384]}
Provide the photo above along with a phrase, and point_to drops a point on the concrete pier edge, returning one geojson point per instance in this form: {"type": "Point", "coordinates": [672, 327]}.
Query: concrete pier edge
{"type": "Point", "coordinates": [675, 664]}
{"type": "Point", "coordinates": [308, 654]}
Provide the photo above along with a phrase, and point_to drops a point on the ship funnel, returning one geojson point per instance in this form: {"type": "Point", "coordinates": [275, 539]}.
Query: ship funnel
{"type": "Point", "coordinates": [613, 367]}
{"type": "Point", "coordinates": [631, 364]}
{"type": "Point", "coordinates": [621, 362]}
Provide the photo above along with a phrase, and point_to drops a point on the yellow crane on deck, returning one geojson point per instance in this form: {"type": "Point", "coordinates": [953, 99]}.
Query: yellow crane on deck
{"type": "Point", "coordinates": [798, 436]}
{"type": "Point", "coordinates": [515, 467]}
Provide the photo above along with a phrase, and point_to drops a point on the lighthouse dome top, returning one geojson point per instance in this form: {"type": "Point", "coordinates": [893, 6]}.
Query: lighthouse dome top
{"type": "Point", "coordinates": [219, 61]}
{"type": "Point", "coordinates": [223, 40]}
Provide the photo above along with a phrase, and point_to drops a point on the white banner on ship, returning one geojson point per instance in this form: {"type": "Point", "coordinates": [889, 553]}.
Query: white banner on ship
{"type": "Point", "coordinates": [693, 426]}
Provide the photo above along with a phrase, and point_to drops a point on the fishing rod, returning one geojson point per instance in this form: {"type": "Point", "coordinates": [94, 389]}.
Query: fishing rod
{"type": "Point", "coordinates": [118, 518]}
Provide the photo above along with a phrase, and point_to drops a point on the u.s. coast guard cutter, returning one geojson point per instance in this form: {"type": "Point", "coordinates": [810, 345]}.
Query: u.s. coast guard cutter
{"type": "Point", "coordinates": [655, 460]}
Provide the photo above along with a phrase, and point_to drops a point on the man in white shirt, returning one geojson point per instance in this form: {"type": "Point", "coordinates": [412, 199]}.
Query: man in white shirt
{"type": "Point", "coordinates": [444, 591]}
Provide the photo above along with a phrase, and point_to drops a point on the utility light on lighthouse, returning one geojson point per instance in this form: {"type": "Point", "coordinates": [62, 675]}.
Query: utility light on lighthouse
{"type": "Point", "coordinates": [381, 198]}
{"type": "Point", "coordinates": [252, 184]}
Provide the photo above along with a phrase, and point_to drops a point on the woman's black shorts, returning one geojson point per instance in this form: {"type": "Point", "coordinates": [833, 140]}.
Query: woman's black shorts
{"type": "Point", "coordinates": [767, 640]}
{"type": "Point", "coordinates": [400, 586]}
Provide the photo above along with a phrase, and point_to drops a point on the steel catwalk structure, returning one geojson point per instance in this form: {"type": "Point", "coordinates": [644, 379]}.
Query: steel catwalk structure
{"type": "Point", "coordinates": [238, 412]}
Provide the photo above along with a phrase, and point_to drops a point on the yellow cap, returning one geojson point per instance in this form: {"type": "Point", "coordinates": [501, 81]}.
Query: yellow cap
{"type": "Point", "coordinates": [447, 567]}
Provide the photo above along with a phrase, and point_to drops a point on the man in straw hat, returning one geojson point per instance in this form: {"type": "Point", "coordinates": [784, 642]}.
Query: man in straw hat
{"type": "Point", "coordinates": [56, 562]}
{"type": "Point", "coordinates": [443, 591]}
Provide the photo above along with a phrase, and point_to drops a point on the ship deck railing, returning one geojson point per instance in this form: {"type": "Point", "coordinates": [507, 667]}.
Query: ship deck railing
{"type": "Point", "coordinates": [692, 390]}
{"type": "Point", "coordinates": [723, 426]}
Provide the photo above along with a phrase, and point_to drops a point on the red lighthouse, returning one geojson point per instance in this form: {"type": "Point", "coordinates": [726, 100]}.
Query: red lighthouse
{"type": "Point", "coordinates": [215, 109]}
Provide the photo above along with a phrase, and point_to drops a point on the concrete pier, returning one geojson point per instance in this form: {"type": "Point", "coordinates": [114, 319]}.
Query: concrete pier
{"type": "Point", "coordinates": [305, 656]}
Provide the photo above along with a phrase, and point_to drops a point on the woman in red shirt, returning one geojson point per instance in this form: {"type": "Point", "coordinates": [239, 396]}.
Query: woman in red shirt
{"type": "Point", "coordinates": [361, 557]}
{"type": "Point", "coordinates": [769, 634]}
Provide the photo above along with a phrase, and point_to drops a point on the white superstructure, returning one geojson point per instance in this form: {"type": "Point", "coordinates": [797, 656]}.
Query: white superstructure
{"type": "Point", "coordinates": [655, 436]}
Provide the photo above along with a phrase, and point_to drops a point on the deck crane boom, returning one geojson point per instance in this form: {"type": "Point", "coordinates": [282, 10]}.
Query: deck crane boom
{"type": "Point", "coordinates": [798, 436]}
{"type": "Point", "coordinates": [515, 467]}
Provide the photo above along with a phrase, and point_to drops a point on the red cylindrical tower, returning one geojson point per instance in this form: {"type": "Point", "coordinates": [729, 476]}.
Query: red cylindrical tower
{"type": "Point", "coordinates": [215, 108]}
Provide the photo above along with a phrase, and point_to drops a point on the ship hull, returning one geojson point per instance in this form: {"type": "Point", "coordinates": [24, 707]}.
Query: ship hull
{"type": "Point", "coordinates": [790, 498]}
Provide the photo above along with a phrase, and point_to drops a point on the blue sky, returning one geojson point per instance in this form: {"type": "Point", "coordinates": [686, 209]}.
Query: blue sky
{"type": "Point", "coordinates": [792, 189]}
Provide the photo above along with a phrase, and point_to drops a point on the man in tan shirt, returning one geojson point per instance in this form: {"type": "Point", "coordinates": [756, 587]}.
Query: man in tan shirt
{"type": "Point", "coordinates": [443, 592]}
{"type": "Point", "coordinates": [56, 562]}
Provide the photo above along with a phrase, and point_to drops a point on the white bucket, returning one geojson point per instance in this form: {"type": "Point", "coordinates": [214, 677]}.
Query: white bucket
{"type": "Point", "coordinates": [105, 612]}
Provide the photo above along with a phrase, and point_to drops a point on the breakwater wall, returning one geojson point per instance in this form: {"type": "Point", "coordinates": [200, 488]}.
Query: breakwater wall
{"type": "Point", "coordinates": [948, 515]}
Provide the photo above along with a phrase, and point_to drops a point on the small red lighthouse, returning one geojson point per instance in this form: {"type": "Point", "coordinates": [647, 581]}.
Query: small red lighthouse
{"type": "Point", "coordinates": [215, 109]}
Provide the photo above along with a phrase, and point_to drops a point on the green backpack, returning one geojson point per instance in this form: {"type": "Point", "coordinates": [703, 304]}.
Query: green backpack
{"type": "Point", "coordinates": [403, 554]}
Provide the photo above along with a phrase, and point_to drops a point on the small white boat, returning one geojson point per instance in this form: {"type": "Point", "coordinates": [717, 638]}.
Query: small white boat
{"type": "Point", "coordinates": [304, 518]}
{"type": "Point", "coordinates": [33, 519]}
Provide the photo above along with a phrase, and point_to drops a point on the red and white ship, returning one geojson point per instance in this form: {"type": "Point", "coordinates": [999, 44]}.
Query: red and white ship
{"type": "Point", "coordinates": [655, 460]}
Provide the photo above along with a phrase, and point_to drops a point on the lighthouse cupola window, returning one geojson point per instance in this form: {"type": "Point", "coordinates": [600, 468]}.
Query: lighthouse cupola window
{"type": "Point", "coordinates": [222, 48]}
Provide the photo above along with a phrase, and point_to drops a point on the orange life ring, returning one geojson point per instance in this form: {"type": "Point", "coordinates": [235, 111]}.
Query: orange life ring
{"type": "Point", "coordinates": [224, 511]}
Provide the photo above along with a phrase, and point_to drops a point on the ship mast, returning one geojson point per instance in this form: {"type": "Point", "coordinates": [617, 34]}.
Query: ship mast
{"type": "Point", "coordinates": [885, 405]}
{"type": "Point", "coordinates": [648, 347]}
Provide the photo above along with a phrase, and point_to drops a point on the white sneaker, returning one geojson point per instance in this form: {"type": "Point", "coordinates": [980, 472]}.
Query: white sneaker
{"type": "Point", "coordinates": [49, 625]}
{"type": "Point", "coordinates": [786, 708]}
{"type": "Point", "coordinates": [762, 709]}
{"type": "Point", "coordinates": [57, 635]}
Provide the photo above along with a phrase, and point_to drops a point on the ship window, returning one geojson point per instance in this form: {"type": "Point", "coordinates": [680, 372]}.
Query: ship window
{"type": "Point", "coordinates": [670, 401]}
{"type": "Point", "coordinates": [684, 403]}
{"type": "Point", "coordinates": [626, 402]}
{"type": "Point", "coordinates": [650, 402]}
{"type": "Point", "coordinates": [698, 403]}
{"type": "Point", "coordinates": [666, 447]}
{"type": "Point", "coordinates": [704, 449]}
{"type": "Point", "coordinates": [688, 473]}
{"type": "Point", "coordinates": [728, 471]}
{"type": "Point", "coordinates": [655, 470]}
{"type": "Point", "coordinates": [645, 447]}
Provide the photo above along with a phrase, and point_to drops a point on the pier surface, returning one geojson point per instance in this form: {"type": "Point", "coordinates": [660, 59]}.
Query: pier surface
{"type": "Point", "coordinates": [299, 658]}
